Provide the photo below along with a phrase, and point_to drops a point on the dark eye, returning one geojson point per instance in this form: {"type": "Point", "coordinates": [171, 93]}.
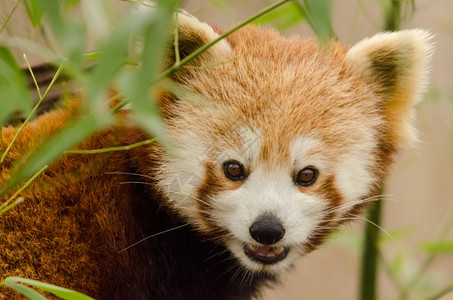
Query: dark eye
{"type": "Point", "coordinates": [307, 176]}
{"type": "Point", "coordinates": [234, 170]}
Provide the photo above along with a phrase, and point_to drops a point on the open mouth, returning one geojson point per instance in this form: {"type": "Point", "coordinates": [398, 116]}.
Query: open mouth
{"type": "Point", "coordinates": [266, 254]}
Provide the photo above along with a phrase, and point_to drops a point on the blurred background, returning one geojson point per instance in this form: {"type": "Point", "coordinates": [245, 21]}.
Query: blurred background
{"type": "Point", "coordinates": [417, 235]}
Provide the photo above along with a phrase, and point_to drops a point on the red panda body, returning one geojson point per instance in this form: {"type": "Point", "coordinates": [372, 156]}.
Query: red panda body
{"type": "Point", "coordinates": [86, 209]}
{"type": "Point", "coordinates": [274, 148]}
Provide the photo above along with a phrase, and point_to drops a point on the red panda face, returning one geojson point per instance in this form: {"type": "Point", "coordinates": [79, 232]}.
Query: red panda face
{"type": "Point", "coordinates": [278, 146]}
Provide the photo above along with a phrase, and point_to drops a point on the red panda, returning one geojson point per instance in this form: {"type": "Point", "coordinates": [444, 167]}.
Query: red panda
{"type": "Point", "coordinates": [273, 150]}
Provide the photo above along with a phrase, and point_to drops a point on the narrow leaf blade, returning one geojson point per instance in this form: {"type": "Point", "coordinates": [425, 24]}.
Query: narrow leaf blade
{"type": "Point", "coordinates": [283, 17]}
{"type": "Point", "coordinates": [26, 291]}
{"type": "Point", "coordinates": [56, 290]}
{"type": "Point", "coordinates": [438, 247]}
{"type": "Point", "coordinates": [14, 93]}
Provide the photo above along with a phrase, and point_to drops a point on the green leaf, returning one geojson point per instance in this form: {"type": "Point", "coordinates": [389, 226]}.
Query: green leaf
{"type": "Point", "coordinates": [14, 93]}
{"type": "Point", "coordinates": [111, 58]}
{"type": "Point", "coordinates": [432, 94]}
{"type": "Point", "coordinates": [71, 3]}
{"type": "Point", "coordinates": [222, 5]}
{"type": "Point", "coordinates": [283, 17]}
{"type": "Point", "coordinates": [319, 16]}
{"type": "Point", "coordinates": [68, 31]}
{"type": "Point", "coordinates": [438, 247]}
{"type": "Point", "coordinates": [348, 238]}
{"type": "Point", "coordinates": [34, 11]}
{"type": "Point", "coordinates": [397, 264]}
{"type": "Point", "coordinates": [394, 235]}
{"type": "Point", "coordinates": [26, 291]}
{"type": "Point", "coordinates": [56, 290]}
{"type": "Point", "coordinates": [136, 85]}
{"type": "Point", "coordinates": [8, 206]}
{"type": "Point", "coordinates": [44, 53]}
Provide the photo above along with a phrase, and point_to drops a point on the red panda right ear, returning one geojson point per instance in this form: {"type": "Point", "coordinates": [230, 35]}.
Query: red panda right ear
{"type": "Point", "coordinates": [396, 64]}
{"type": "Point", "coordinates": [192, 34]}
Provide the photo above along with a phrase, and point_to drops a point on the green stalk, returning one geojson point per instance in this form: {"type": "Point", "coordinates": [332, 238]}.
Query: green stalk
{"type": "Point", "coordinates": [8, 204]}
{"type": "Point", "coordinates": [444, 229]}
{"type": "Point", "coordinates": [38, 89]}
{"type": "Point", "coordinates": [9, 16]}
{"type": "Point", "coordinates": [176, 39]}
{"type": "Point", "coordinates": [111, 149]}
{"type": "Point", "coordinates": [370, 254]}
{"type": "Point", "coordinates": [2, 157]}
{"type": "Point", "coordinates": [393, 16]}
{"type": "Point", "coordinates": [441, 293]}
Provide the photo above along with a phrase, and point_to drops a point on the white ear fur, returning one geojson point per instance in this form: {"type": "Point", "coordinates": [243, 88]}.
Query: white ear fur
{"type": "Point", "coordinates": [397, 65]}
{"type": "Point", "coordinates": [200, 33]}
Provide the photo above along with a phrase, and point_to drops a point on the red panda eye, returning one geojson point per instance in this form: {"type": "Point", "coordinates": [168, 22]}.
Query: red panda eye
{"type": "Point", "coordinates": [307, 176]}
{"type": "Point", "coordinates": [234, 170]}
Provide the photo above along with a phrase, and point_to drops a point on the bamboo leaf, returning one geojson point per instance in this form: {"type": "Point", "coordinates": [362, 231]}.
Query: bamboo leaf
{"type": "Point", "coordinates": [8, 18]}
{"type": "Point", "coordinates": [14, 93]}
{"type": "Point", "coordinates": [56, 290]}
{"type": "Point", "coordinates": [69, 32]}
{"type": "Point", "coordinates": [441, 293]}
{"type": "Point", "coordinates": [25, 44]}
{"type": "Point", "coordinates": [30, 115]}
{"type": "Point", "coordinates": [7, 206]}
{"type": "Point", "coordinates": [112, 58]}
{"type": "Point", "coordinates": [282, 17]}
{"type": "Point", "coordinates": [438, 247]}
{"type": "Point", "coordinates": [34, 11]}
{"type": "Point", "coordinates": [394, 235]}
{"type": "Point", "coordinates": [319, 16]}
{"type": "Point", "coordinates": [136, 85]}
{"type": "Point", "coordinates": [26, 291]}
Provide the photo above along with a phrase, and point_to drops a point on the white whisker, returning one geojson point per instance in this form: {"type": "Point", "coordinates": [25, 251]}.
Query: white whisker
{"type": "Point", "coordinates": [355, 217]}
{"type": "Point", "coordinates": [135, 182]}
{"type": "Point", "coordinates": [216, 254]}
{"type": "Point", "coordinates": [151, 236]}
{"type": "Point", "coordinates": [127, 173]}
{"type": "Point", "coordinates": [357, 202]}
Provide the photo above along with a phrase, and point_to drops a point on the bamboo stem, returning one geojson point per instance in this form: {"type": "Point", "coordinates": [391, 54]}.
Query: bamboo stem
{"type": "Point", "coordinates": [111, 149]}
{"type": "Point", "coordinates": [370, 254]}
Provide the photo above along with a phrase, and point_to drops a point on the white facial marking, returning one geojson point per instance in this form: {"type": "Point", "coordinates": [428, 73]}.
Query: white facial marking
{"type": "Point", "coordinates": [352, 173]}
{"type": "Point", "coordinates": [266, 190]}
{"type": "Point", "coordinates": [273, 191]}
{"type": "Point", "coordinates": [303, 153]}
{"type": "Point", "coordinates": [185, 172]}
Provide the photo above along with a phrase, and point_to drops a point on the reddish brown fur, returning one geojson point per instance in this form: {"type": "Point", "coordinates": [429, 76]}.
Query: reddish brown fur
{"type": "Point", "coordinates": [77, 216]}
{"type": "Point", "coordinates": [273, 88]}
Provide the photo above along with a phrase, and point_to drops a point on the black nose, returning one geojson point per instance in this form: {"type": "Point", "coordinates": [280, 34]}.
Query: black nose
{"type": "Point", "coordinates": [267, 230]}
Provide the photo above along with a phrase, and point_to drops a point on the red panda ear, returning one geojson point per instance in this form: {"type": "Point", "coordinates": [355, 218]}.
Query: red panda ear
{"type": "Point", "coordinates": [192, 34]}
{"type": "Point", "coordinates": [396, 63]}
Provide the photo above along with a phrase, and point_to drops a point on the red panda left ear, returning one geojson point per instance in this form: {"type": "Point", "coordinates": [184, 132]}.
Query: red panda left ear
{"type": "Point", "coordinates": [396, 64]}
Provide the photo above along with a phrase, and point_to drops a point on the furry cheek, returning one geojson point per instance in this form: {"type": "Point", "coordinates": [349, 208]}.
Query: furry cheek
{"type": "Point", "coordinates": [353, 174]}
